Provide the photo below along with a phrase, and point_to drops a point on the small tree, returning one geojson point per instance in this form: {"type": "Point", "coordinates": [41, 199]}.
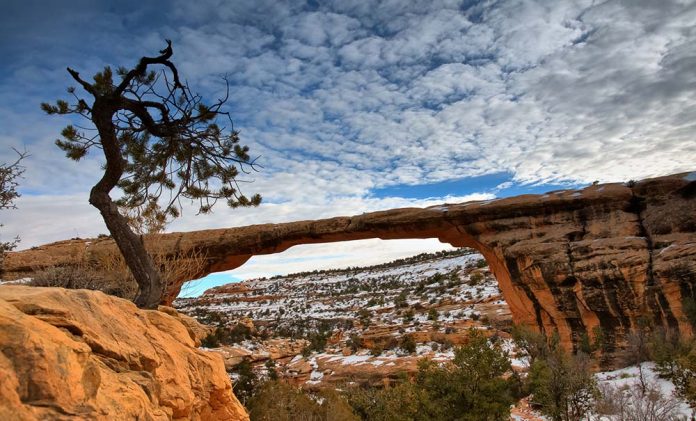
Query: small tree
{"type": "Point", "coordinates": [365, 317]}
{"type": "Point", "coordinates": [276, 400]}
{"type": "Point", "coordinates": [9, 173]}
{"type": "Point", "coordinates": [245, 382]}
{"type": "Point", "coordinates": [471, 387]}
{"type": "Point", "coordinates": [401, 300]}
{"type": "Point", "coordinates": [563, 384]}
{"type": "Point", "coordinates": [408, 344]}
{"type": "Point", "coordinates": [271, 369]}
{"type": "Point", "coordinates": [161, 143]}
{"type": "Point", "coordinates": [639, 348]}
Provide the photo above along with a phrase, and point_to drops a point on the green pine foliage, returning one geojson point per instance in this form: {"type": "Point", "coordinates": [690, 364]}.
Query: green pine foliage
{"type": "Point", "coordinates": [402, 402]}
{"type": "Point", "coordinates": [172, 144]}
{"type": "Point", "coordinates": [470, 388]}
{"type": "Point", "coordinates": [271, 369]}
{"type": "Point", "coordinates": [223, 335]}
{"type": "Point", "coordinates": [675, 360]}
{"type": "Point", "coordinates": [245, 384]}
{"type": "Point", "coordinates": [475, 386]}
{"type": "Point", "coordinates": [561, 383]}
{"type": "Point", "coordinates": [9, 175]}
{"type": "Point", "coordinates": [433, 314]}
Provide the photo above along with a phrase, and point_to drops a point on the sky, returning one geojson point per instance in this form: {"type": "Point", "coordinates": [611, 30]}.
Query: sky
{"type": "Point", "coordinates": [355, 106]}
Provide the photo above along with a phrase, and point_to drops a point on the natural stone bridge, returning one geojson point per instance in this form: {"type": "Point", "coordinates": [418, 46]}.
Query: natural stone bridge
{"type": "Point", "coordinates": [609, 256]}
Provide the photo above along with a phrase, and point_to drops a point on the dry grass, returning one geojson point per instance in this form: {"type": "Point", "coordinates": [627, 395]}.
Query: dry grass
{"type": "Point", "coordinates": [110, 274]}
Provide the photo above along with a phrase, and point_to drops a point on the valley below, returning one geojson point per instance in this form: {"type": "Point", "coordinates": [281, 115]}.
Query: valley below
{"type": "Point", "coordinates": [372, 327]}
{"type": "Point", "coordinates": [364, 325]}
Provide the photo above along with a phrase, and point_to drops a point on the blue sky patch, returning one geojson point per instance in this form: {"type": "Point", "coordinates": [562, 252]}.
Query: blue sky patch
{"type": "Point", "coordinates": [500, 184]}
{"type": "Point", "coordinates": [198, 286]}
{"type": "Point", "coordinates": [460, 187]}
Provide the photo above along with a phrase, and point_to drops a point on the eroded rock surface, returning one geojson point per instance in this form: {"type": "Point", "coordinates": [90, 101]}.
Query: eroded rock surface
{"type": "Point", "coordinates": [83, 355]}
{"type": "Point", "coordinates": [570, 261]}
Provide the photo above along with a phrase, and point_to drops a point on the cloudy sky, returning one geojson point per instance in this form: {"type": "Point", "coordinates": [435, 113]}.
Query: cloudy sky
{"type": "Point", "coordinates": [353, 106]}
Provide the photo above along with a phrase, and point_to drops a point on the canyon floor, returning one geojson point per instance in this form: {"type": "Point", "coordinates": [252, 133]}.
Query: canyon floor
{"type": "Point", "coordinates": [359, 325]}
{"type": "Point", "coordinates": [364, 325]}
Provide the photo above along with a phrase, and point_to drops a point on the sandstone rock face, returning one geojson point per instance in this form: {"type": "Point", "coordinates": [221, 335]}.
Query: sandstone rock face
{"type": "Point", "coordinates": [83, 355]}
{"type": "Point", "coordinates": [569, 261]}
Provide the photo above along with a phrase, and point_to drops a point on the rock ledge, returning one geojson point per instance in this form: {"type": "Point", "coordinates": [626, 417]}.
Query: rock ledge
{"type": "Point", "coordinates": [78, 354]}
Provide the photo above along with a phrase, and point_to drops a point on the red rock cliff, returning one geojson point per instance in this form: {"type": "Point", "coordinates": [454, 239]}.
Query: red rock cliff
{"type": "Point", "coordinates": [567, 261]}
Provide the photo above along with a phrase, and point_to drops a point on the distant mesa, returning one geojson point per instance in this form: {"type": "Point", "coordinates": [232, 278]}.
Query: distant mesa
{"type": "Point", "coordinates": [569, 261]}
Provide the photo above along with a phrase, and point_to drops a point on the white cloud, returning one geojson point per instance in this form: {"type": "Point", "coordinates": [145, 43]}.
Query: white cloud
{"type": "Point", "coordinates": [351, 96]}
{"type": "Point", "coordinates": [309, 257]}
{"type": "Point", "coordinates": [43, 219]}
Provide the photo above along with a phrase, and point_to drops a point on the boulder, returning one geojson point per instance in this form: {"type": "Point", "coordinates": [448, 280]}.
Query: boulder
{"type": "Point", "coordinates": [84, 355]}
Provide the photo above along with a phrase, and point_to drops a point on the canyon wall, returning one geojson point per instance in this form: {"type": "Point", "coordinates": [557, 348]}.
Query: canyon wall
{"type": "Point", "coordinates": [609, 257]}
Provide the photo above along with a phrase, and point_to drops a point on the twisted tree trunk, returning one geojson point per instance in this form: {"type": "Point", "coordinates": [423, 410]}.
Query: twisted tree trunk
{"type": "Point", "coordinates": [150, 285]}
{"type": "Point", "coordinates": [179, 141]}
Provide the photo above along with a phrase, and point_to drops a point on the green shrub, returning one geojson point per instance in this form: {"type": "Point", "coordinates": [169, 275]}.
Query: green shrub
{"type": "Point", "coordinates": [365, 316]}
{"type": "Point", "coordinates": [278, 401]}
{"type": "Point", "coordinates": [408, 316]}
{"type": "Point", "coordinates": [433, 314]}
{"type": "Point", "coordinates": [271, 368]}
{"type": "Point", "coordinates": [402, 402]}
{"type": "Point", "coordinates": [675, 359]}
{"type": "Point", "coordinates": [246, 381]}
{"type": "Point", "coordinates": [475, 278]}
{"type": "Point", "coordinates": [408, 344]}
{"type": "Point", "coordinates": [354, 342]}
{"type": "Point", "coordinates": [469, 388]}
{"type": "Point", "coordinates": [226, 336]}
{"type": "Point", "coordinates": [210, 341]}
{"type": "Point", "coordinates": [563, 385]}
{"type": "Point", "coordinates": [400, 300]}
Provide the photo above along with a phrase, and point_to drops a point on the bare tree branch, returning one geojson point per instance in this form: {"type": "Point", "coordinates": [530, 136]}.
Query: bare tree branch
{"type": "Point", "coordinates": [87, 87]}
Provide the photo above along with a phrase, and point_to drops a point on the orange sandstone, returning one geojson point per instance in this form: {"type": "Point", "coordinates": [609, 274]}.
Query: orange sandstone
{"type": "Point", "coordinates": [568, 261]}
{"type": "Point", "coordinates": [84, 355]}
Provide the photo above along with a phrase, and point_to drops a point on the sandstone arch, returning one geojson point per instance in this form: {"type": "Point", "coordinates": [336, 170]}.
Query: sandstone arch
{"type": "Point", "coordinates": [566, 261]}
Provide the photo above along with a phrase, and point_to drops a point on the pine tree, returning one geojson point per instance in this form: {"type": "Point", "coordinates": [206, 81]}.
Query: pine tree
{"type": "Point", "coordinates": [161, 143]}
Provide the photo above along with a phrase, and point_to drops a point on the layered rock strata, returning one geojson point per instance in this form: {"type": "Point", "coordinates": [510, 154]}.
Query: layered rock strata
{"type": "Point", "coordinates": [608, 258]}
{"type": "Point", "coordinates": [83, 355]}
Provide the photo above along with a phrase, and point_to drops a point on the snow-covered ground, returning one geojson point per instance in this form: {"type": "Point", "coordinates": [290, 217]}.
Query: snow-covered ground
{"type": "Point", "coordinates": [428, 298]}
{"type": "Point", "coordinates": [404, 293]}
{"type": "Point", "coordinates": [659, 397]}
{"type": "Point", "coordinates": [624, 398]}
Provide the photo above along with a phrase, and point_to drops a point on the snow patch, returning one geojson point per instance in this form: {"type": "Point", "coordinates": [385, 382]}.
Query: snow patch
{"type": "Point", "coordinates": [629, 377]}
{"type": "Point", "coordinates": [21, 281]}
{"type": "Point", "coordinates": [353, 359]}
